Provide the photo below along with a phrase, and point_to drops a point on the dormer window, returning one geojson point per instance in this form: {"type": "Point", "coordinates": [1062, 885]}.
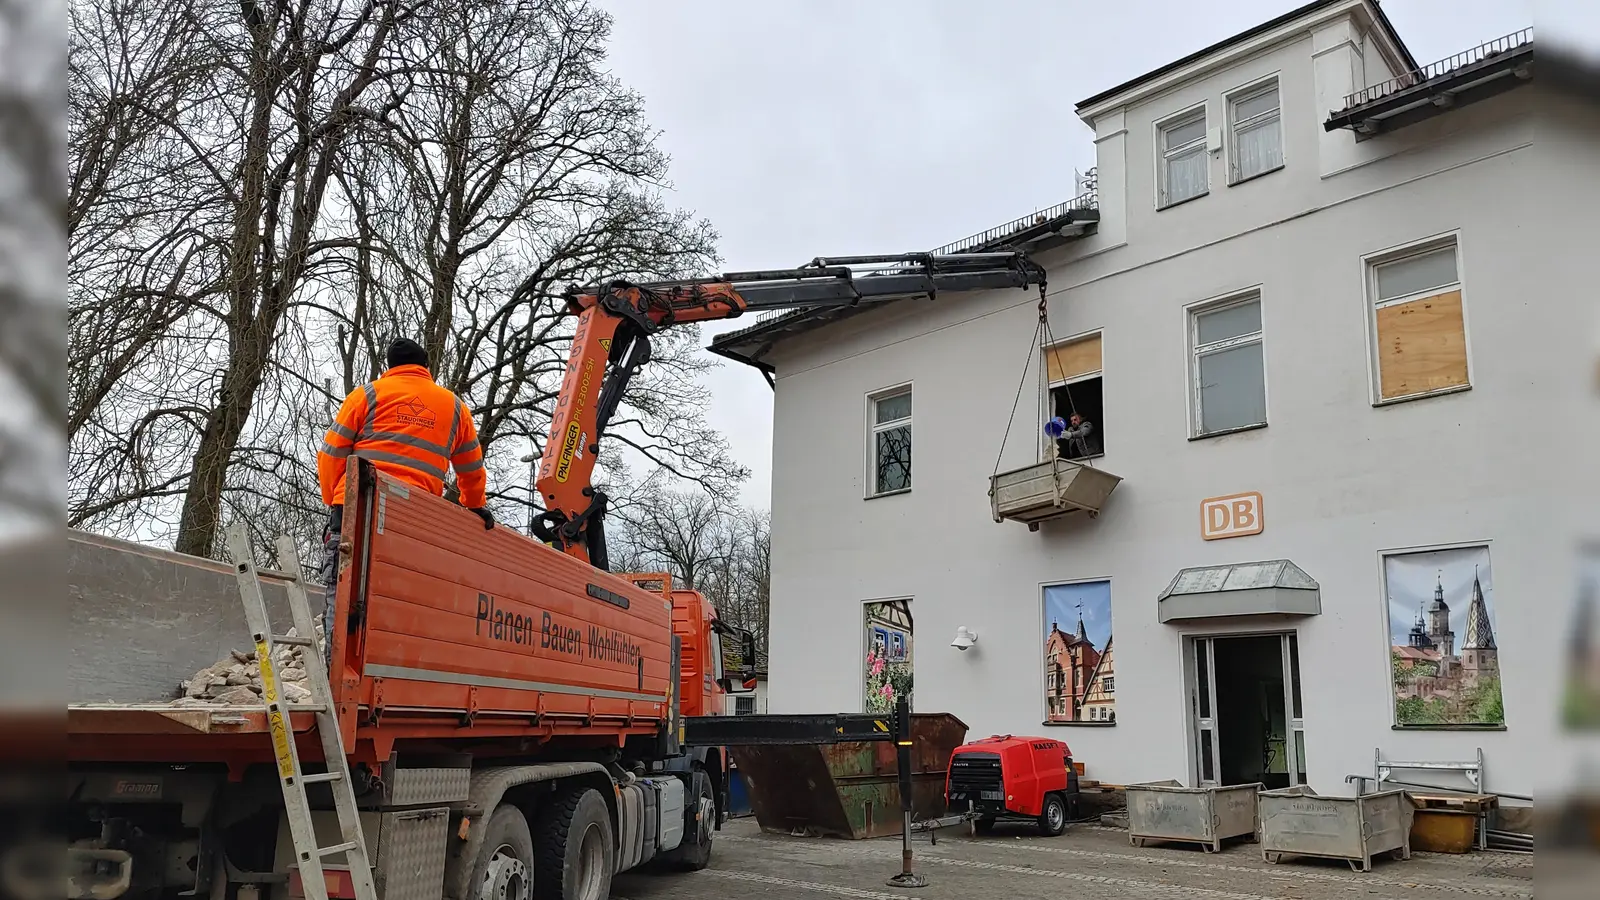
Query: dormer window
{"type": "Point", "coordinates": [1256, 147]}
{"type": "Point", "coordinates": [1183, 170]}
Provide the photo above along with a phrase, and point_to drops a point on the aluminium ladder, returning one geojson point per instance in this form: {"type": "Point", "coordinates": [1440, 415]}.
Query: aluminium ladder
{"type": "Point", "coordinates": [296, 804]}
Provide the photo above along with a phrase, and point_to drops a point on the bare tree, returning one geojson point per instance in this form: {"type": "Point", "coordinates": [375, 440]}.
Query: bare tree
{"type": "Point", "coordinates": [721, 551]}
{"type": "Point", "coordinates": [520, 166]}
{"type": "Point", "coordinates": [261, 195]}
{"type": "Point", "coordinates": [683, 532]}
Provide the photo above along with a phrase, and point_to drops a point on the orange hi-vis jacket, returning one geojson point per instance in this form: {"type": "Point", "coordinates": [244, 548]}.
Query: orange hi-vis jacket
{"type": "Point", "coordinates": [409, 428]}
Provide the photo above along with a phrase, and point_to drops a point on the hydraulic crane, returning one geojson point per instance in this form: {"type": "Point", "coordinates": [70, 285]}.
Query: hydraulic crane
{"type": "Point", "coordinates": [612, 343]}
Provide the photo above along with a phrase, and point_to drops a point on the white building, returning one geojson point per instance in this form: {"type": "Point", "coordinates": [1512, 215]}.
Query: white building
{"type": "Point", "coordinates": [1325, 311]}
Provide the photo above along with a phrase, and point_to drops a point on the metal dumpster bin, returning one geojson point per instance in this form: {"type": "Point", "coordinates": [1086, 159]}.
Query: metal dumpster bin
{"type": "Point", "coordinates": [1297, 822]}
{"type": "Point", "coordinates": [850, 789]}
{"type": "Point", "coordinates": [1166, 811]}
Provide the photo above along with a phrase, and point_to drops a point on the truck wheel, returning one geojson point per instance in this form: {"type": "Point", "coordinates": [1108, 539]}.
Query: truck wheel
{"type": "Point", "coordinates": [1053, 819]}
{"type": "Point", "coordinates": [694, 853]}
{"type": "Point", "coordinates": [504, 870]}
{"type": "Point", "coordinates": [575, 856]}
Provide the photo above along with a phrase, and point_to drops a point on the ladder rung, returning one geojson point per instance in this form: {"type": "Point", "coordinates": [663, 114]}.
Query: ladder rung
{"type": "Point", "coordinates": [307, 707]}
{"type": "Point", "coordinates": [292, 641]}
{"type": "Point", "coordinates": [337, 848]}
{"type": "Point", "coordinates": [321, 777]}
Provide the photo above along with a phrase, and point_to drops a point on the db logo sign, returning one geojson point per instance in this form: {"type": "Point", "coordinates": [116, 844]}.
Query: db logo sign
{"type": "Point", "coordinates": [1235, 515]}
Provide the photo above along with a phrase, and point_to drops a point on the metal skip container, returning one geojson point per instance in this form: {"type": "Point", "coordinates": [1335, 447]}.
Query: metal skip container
{"type": "Point", "coordinates": [850, 789]}
{"type": "Point", "coordinates": [1165, 811]}
{"type": "Point", "coordinates": [1297, 822]}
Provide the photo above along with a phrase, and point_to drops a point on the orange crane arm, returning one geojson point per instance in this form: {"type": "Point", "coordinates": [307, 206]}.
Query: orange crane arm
{"type": "Point", "coordinates": [612, 342]}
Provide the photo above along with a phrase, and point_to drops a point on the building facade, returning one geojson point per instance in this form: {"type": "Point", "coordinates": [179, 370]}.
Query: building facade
{"type": "Point", "coordinates": [1293, 312]}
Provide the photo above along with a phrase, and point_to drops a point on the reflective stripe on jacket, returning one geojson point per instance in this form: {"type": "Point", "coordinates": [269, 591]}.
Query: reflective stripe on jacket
{"type": "Point", "coordinates": [409, 428]}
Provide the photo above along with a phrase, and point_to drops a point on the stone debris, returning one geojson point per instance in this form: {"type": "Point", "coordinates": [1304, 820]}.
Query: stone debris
{"type": "Point", "coordinates": [236, 680]}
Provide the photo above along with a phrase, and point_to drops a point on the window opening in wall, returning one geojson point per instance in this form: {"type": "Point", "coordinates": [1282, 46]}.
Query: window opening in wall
{"type": "Point", "coordinates": [1073, 370]}
{"type": "Point", "coordinates": [1419, 323]}
{"type": "Point", "coordinates": [1257, 144]}
{"type": "Point", "coordinates": [890, 448]}
{"type": "Point", "coordinates": [744, 706]}
{"type": "Point", "coordinates": [1183, 169]}
{"type": "Point", "coordinates": [1229, 374]}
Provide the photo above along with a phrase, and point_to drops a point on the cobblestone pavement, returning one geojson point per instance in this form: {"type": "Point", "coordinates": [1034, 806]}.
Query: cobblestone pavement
{"type": "Point", "coordinates": [1088, 861]}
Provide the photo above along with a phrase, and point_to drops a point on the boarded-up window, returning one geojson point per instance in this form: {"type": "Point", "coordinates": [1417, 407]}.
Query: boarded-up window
{"type": "Point", "coordinates": [1420, 327]}
{"type": "Point", "coordinates": [1074, 359]}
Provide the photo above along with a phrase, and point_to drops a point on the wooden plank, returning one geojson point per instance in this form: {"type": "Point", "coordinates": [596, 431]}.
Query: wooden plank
{"type": "Point", "coordinates": [1422, 346]}
{"type": "Point", "coordinates": [1070, 360]}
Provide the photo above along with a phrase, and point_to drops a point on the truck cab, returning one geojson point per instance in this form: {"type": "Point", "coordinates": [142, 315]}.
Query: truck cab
{"type": "Point", "coordinates": [1014, 777]}
{"type": "Point", "coordinates": [706, 677]}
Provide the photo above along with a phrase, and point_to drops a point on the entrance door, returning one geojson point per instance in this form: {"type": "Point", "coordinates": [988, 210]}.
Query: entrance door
{"type": "Point", "coordinates": [1245, 706]}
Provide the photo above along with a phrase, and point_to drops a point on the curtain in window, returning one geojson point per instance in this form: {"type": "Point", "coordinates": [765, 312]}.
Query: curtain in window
{"type": "Point", "coordinates": [1186, 175]}
{"type": "Point", "coordinates": [1259, 148]}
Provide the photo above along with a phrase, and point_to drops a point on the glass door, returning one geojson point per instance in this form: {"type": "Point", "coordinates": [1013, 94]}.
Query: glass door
{"type": "Point", "coordinates": [1296, 745]}
{"type": "Point", "coordinates": [1203, 704]}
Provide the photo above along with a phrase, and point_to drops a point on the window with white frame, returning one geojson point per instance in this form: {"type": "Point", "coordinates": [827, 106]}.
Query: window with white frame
{"type": "Point", "coordinates": [1184, 173]}
{"type": "Point", "coordinates": [889, 453]}
{"type": "Point", "coordinates": [1257, 132]}
{"type": "Point", "coordinates": [744, 706]}
{"type": "Point", "coordinates": [1419, 325]}
{"type": "Point", "coordinates": [1228, 371]}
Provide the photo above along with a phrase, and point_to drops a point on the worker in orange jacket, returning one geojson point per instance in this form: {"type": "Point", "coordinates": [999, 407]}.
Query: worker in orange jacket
{"type": "Point", "coordinates": [409, 428]}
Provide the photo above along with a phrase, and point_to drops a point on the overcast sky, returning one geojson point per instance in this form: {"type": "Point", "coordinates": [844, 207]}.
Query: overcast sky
{"type": "Point", "coordinates": [1410, 581]}
{"type": "Point", "coordinates": [804, 128]}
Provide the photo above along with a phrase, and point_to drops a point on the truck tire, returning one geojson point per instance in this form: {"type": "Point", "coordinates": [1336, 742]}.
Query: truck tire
{"type": "Point", "coordinates": [504, 870]}
{"type": "Point", "coordinates": [1053, 818]}
{"type": "Point", "coordinates": [694, 853]}
{"type": "Point", "coordinates": [576, 855]}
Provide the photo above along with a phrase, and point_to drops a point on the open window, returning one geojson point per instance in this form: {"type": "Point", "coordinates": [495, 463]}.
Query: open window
{"type": "Point", "coordinates": [1076, 389]}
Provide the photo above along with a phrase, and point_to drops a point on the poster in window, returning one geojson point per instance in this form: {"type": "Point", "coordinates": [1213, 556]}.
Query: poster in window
{"type": "Point", "coordinates": [1079, 672]}
{"type": "Point", "coordinates": [1443, 657]}
{"type": "Point", "coordinates": [888, 655]}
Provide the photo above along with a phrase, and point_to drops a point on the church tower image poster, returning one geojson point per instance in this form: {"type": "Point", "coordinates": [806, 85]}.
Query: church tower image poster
{"type": "Point", "coordinates": [1444, 659]}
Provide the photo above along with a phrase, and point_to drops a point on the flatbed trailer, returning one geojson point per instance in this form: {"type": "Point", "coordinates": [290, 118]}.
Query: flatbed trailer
{"type": "Point", "coordinates": [511, 717]}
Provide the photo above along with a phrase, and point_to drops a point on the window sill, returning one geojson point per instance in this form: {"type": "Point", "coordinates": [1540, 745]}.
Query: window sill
{"type": "Point", "coordinates": [887, 494]}
{"type": "Point", "coordinates": [1447, 728]}
{"type": "Point", "coordinates": [1049, 724]}
{"type": "Point", "coordinates": [1227, 431]}
{"type": "Point", "coordinates": [1238, 181]}
{"type": "Point", "coordinates": [1080, 459]}
{"type": "Point", "coordinates": [1165, 206]}
{"type": "Point", "coordinates": [1442, 392]}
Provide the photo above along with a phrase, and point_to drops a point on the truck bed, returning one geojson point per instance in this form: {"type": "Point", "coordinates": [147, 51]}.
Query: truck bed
{"type": "Point", "coordinates": [141, 620]}
{"type": "Point", "coordinates": [443, 634]}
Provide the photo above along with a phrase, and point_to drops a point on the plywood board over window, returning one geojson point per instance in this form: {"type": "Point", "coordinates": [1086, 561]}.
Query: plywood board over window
{"type": "Point", "coordinates": [1073, 359]}
{"type": "Point", "coordinates": [1419, 324]}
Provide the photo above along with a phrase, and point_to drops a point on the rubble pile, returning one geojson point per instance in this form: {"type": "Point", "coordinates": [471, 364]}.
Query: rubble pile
{"type": "Point", "coordinates": [236, 679]}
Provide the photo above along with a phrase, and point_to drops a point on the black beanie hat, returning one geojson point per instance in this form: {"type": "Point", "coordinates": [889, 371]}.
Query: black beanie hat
{"type": "Point", "coordinates": [406, 352]}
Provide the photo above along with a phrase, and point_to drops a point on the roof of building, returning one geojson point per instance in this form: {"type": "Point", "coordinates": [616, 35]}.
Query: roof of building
{"type": "Point", "coordinates": [1038, 231]}
{"type": "Point", "coordinates": [1423, 92]}
{"type": "Point", "coordinates": [1263, 28]}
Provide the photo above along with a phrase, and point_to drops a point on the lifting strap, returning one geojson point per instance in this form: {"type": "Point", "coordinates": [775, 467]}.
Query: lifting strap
{"type": "Point", "coordinates": [1042, 339]}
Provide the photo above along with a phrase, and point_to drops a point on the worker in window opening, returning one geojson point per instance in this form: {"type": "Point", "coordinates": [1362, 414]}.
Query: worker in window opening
{"type": "Point", "coordinates": [411, 429]}
{"type": "Point", "coordinates": [1079, 438]}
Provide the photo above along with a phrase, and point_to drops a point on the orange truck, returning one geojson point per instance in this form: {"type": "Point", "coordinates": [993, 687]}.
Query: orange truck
{"type": "Point", "coordinates": [514, 714]}
{"type": "Point", "coordinates": [502, 704]}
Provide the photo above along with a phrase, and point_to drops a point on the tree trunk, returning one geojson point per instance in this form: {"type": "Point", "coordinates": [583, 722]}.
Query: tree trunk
{"type": "Point", "coordinates": [202, 504]}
